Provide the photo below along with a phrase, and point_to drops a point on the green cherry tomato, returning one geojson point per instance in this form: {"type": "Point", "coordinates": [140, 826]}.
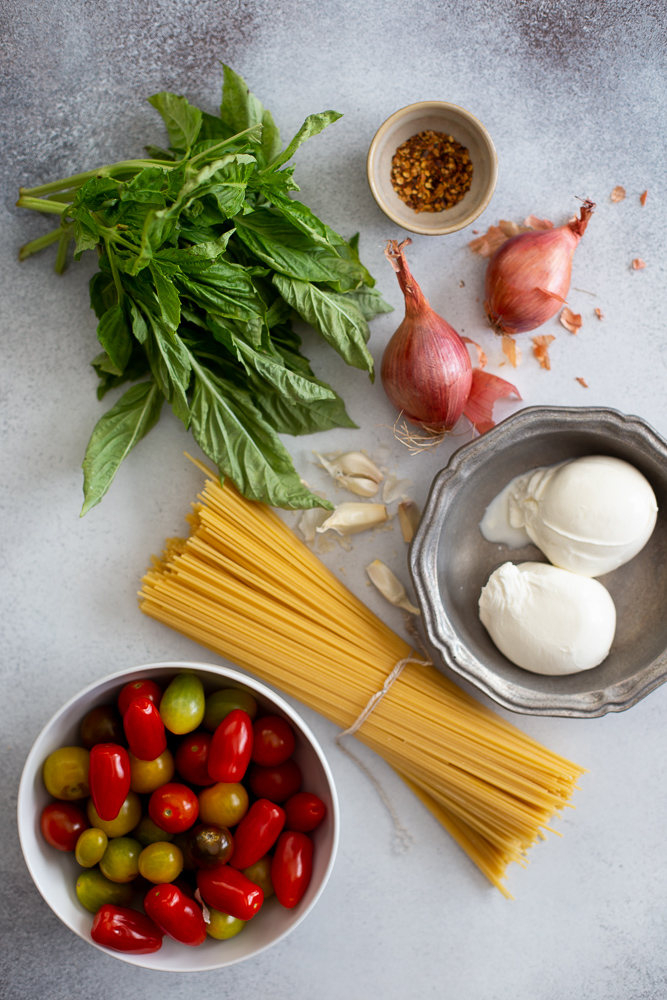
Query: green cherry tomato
{"type": "Point", "coordinates": [126, 820]}
{"type": "Point", "coordinates": [221, 703]}
{"type": "Point", "coordinates": [66, 773]}
{"type": "Point", "coordinates": [120, 861]}
{"type": "Point", "coordinates": [90, 847]}
{"type": "Point", "coordinates": [222, 926]}
{"type": "Point", "coordinates": [182, 705]}
{"type": "Point", "coordinates": [260, 874]}
{"type": "Point", "coordinates": [94, 890]}
{"type": "Point", "coordinates": [161, 862]}
{"type": "Point", "coordinates": [224, 804]}
{"type": "Point", "coordinates": [148, 832]}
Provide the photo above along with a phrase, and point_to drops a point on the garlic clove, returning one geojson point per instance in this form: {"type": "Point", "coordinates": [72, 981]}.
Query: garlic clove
{"type": "Point", "coordinates": [408, 518]}
{"type": "Point", "coordinates": [390, 586]}
{"type": "Point", "coordinates": [354, 471]}
{"type": "Point", "coordinates": [360, 485]}
{"type": "Point", "coordinates": [351, 518]}
{"type": "Point", "coordinates": [310, 520]}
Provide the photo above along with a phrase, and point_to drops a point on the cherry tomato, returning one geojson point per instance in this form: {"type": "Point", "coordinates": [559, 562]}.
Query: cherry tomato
{"type": "Point", "coordinates": [122, 929]}
{"type": "Point", "coordinates": [291, 867]}
{"type": "Point", "coordinates": [66, 773]}
{"type": "Point", "coordinates": [144, 729]}
{"type": "Point", "coordinates": [221, 703]}
{"type": "Point", "coordinates": [222, 926]}
{"type": "Point", "coordinates": [209, 846]}
{"type": "Point", "coordinates": [90, 847]}
{"type": "Point", "coordinates": [160, 862]}
{"type": "Point", "coordinates": [147, 775]}
{"type": "Point", "coordinates": [257, 833]}
{"type": "Point", "coordinates": [173, 807]}
{"type": "Point", "coordinates": [260, 874]}
{"type": "Point", "coordinates": [120, 861]}
{"type": "Point", "coordinates": [231, 747]}
{"type": "Point", "coordinates": [176, 914]}
{"type": "Point", "coordinates": [304, 812]}
{"type": "Point", "coordinates": [138, 689]}
{"type": "Point", "coordinates": [94, 890]}
{"type": "Point", "coordinates": [101, 725]}
{"type": "Point", "coordinates": [182, 705]}
{"type": "Point", "coordinates": [229, 891]}
{"type": "Point", "coordinates": [273, 740]}
{"type": "Point", "coordinates": [192, 758]}
{"type": "Point", "coordinates": [109, 778]}
{"type": "Point", "coordinates": [61, 824]}
{"type": "Point", "coordinates": [148, 832]}
{"type": "Point", "coordinates": [224, 803]}
{"type": "Point", "coordinates": [126, 820]}
{"type": "Point", "coordinates": [277, 783]}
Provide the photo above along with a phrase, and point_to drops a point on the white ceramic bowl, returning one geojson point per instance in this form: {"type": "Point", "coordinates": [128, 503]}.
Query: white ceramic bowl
{"type": "Point", "coordinates": [55, 872]}
{"type": "Point", "coordinates": [464, 128]}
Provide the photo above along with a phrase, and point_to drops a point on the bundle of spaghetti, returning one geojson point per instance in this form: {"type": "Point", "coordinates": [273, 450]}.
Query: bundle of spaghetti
{"type": "Point", "coordinates": [245, 587]}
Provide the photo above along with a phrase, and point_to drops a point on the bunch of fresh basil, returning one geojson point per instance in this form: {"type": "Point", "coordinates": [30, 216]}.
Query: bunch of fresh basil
{"type": "Point", "coordinates": [205, 259]}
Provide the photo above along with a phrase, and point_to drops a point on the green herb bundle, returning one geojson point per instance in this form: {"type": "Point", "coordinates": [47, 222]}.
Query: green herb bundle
{"type": "Point", "coordinates": [205, 260]}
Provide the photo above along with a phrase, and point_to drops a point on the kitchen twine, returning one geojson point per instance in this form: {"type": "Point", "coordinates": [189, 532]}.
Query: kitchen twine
{"type": "Point", "coordinates": [404, 838]}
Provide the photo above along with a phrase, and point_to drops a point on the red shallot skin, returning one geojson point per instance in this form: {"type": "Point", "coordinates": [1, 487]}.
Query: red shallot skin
{"type": "Point", "coordinates": [426, 370]}
{"type": "Point", "coordinates": [528, 277]}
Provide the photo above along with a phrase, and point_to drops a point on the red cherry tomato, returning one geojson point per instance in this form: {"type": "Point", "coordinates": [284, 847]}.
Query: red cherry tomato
{"type": "Point", "coordinates": [173, 807]}
{"type": "Point", "coordinates": [229, 891]}
{"type": "Point", "coordinates": [192, 758]}
{"type": "Point", "coordinates": [109, 778]}
{"type": "Point", "coordinates": [231, 747]}
{"type": "Point", "coordinates": [123, 929]}
{"type": "Point", "coordinates": [62, 823]}
{"type": "Point", "coordinates": [144, 729]}
{"type": "Point", "coordinates": [138, 689]}
{"type": "Point", "coordinates": [176, 914]}
{"type": "Point", "coordinates": [277, 783]}
{"type": "Point", "coordinates": [304, 812]}
{"type": "Point", "coordinates": [291, 867]}
{"type": "Point", "coordinates": [273, 740]}
{"type": "Point", "coordinates": [257, 833]}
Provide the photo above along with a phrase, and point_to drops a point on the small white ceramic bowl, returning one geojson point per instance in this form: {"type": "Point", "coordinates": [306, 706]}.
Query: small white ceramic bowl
{"type": "Point", "coordinates": [464, 128]}
{"type": "Point", "coordinates": [55, 872]}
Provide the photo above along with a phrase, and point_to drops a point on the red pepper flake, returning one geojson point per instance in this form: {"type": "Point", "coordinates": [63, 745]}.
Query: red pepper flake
{"type": "Point", "coordinates": [599, 314]}
{"type": "Point", "coordinates": [511, 351]}
{"type": "Point", "coordinates": [618, 194]}
{"type": "Point", "coordinates": [642, 198]}
{"type": "Point", "coordinates": [541, 349]}
{"type": "Point", "coordinates": [431, 171]}
{"type": "Point", "coordinates": [570, 320]}
{"type": "Point", "coordinates": [582, 381]}
{"type": "Point", "coordinates": [638, 264]}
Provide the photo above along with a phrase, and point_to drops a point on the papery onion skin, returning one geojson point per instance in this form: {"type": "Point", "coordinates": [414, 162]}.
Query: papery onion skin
{"type": "Point", "coordinates": [426, 370]}
{"type": "Point", "coordinates": [528, 277]}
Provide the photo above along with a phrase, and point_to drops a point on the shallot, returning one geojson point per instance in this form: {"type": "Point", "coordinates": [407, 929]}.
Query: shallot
{"type": "Point", "coordinates": [426, 368]}
{"type": "Point", "coordinates": [528, 277]}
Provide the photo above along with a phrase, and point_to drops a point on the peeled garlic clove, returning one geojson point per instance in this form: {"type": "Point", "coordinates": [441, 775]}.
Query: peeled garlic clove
{"type": "Point", "coordinates": [390, 586]}
{"type": "Point", "coordinates": [355, 472]}
{"type": "Point", "coordinates": [408, 518]}
{"type": "Point", "coordinates": [360, 485]}
{"type": "Point", "coordinates": [310, 520]}
{"type": "Point", "coordinates": [351, 518]}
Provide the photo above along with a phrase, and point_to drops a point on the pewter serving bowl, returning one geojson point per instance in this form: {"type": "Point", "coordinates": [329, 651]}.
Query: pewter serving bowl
{"type": "Point", "coordinates": [450, 562]}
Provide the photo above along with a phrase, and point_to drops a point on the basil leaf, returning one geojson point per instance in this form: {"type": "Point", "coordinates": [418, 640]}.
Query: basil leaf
{"type": "Point", "coordinates": [301, 418]}
{"type": "Point", "coordinates": [136, 368]}
{"type": "Point", "coordinates": [171, 366]}
{"type": "Point", "coordinates": [170, 303]}
{"type": "Point", "coordinates": [313, 125]}
{"type": "Point", "coordinates": [114, 335]}
{"type": "Point", "coordinates": [231, 431]}
{"type": "Point", "coordinates": [240, 110]}
{"type": "Point", "coordinates": [336, 317]}
{"type": "Point", "coordinates": [114, 437]}
{"type": "Point", "coordinates": [289, 384]}
{"type": "Point", "coordinates": [103, 293]}
{"type": "Point", "coordinates": [183, 121]}
{"type": "Point", "coordinates": [369, 302]}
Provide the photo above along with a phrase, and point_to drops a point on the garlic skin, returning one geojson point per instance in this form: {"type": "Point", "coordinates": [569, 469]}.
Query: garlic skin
{"type": "Point", "coordinates": [390, 586]}
{"type": "Point", "coordinates": [408, 518]}
{"type": "Point", "coordinates": [310, 520]}
{"type": "Point", "coordinates": [352, 518]}
{"type": "Point", "coordinates": [355, 472]}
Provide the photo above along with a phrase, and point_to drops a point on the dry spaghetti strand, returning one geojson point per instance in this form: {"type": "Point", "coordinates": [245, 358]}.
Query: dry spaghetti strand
{"type": "Point", "coordinates": [245, 587]}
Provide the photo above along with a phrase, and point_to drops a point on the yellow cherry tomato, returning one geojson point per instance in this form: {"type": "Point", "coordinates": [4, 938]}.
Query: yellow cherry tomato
{"type": "Point", "coordinates": [222, 926]}
{"type": "Point", "coordinates": [224, 803]}
{"type": "Point", "coordinates": [161, 862]}
{"type": "Point", "coordinates": [120, 861]}
{"type": "Point", "coordinates": [90, 847]}
{"type": "Point", "coordinates": [66, 773]}
{"type": "Point", "coordinates": [126, 820]}
{"type": "Point", "coordinates": [147, 775]}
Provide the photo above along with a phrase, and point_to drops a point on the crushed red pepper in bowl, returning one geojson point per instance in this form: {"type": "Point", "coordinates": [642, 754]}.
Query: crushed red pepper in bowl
{"type": "Point", "coordinates": [431, 171]}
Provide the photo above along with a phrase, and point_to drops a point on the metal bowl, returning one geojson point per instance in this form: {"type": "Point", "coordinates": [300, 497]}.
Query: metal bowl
{"type": "Point", "coordinates": [450, 562]}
